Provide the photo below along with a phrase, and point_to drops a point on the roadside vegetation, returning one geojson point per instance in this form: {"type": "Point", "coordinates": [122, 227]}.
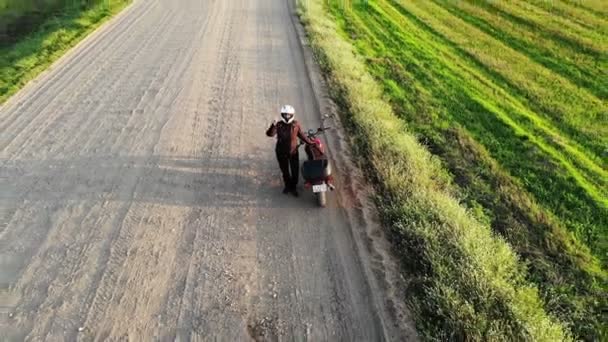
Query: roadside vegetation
{"type": "Point", "coordinates": [35, 33]}
{"type": "Point", "coordinates": [486, 125]}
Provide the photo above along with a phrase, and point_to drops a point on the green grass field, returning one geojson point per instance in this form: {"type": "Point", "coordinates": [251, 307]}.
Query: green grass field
{"type": "Point", "coordinates": [510, 98]}
{"type": "Point", "coordinates": [54, 26]}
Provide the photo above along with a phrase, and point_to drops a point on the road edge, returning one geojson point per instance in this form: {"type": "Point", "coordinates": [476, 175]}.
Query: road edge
{"type": "Point", "coordinates": [386, 282]}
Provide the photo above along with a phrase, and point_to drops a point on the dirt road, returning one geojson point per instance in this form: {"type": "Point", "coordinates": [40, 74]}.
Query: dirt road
{"type": "Point", "coordinates": [140, 198]}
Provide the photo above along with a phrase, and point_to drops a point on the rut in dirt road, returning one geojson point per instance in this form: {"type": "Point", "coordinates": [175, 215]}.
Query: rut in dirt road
{"type": "Point", "coordinates": [141, 198]}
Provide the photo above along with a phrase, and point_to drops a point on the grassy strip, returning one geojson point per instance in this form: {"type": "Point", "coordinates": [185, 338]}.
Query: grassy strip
{"type": "Point", "coordinates": [23, 61]}
{"type": "Point", "coordinates": [19, 18]}
{"type": "Point", "coordinates": [466, 282]}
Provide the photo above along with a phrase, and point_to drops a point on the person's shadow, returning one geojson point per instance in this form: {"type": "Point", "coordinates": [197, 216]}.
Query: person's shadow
{"type": "Point", "coordinates": [205, 182]}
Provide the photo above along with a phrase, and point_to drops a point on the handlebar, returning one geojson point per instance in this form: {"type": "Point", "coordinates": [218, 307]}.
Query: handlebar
{"type": "Point", "coordinates": [319, 130]}
{"type": "Point", "coordinates": [314, 134]}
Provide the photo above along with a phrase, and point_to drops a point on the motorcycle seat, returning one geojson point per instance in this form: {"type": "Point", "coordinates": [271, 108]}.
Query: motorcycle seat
{"type": "Point", "coordinates": [316, 169]}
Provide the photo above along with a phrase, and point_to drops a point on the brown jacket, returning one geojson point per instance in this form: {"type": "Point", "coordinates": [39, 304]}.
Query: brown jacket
{"type": "Point", "coordinates": [287, 136]}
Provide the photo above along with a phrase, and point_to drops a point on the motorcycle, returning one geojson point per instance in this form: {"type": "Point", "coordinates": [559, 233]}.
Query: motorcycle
{"type": "Point", "coordinates": [316, 170]}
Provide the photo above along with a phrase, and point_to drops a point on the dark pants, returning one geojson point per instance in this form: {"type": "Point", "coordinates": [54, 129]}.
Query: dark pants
{"type": "Point", "coordinates": [287, 162]}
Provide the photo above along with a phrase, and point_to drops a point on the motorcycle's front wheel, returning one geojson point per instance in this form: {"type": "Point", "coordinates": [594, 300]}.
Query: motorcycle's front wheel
{"type": "Point", "coordinates": [322, 199]}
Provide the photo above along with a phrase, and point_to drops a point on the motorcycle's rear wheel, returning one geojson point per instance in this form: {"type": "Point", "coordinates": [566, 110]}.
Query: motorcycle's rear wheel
{"type": "Point", "coordinates": [321, 199]}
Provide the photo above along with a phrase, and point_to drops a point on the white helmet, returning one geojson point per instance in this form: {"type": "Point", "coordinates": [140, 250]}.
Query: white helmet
{"type": "Point", "coordinates": [288, 114]}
